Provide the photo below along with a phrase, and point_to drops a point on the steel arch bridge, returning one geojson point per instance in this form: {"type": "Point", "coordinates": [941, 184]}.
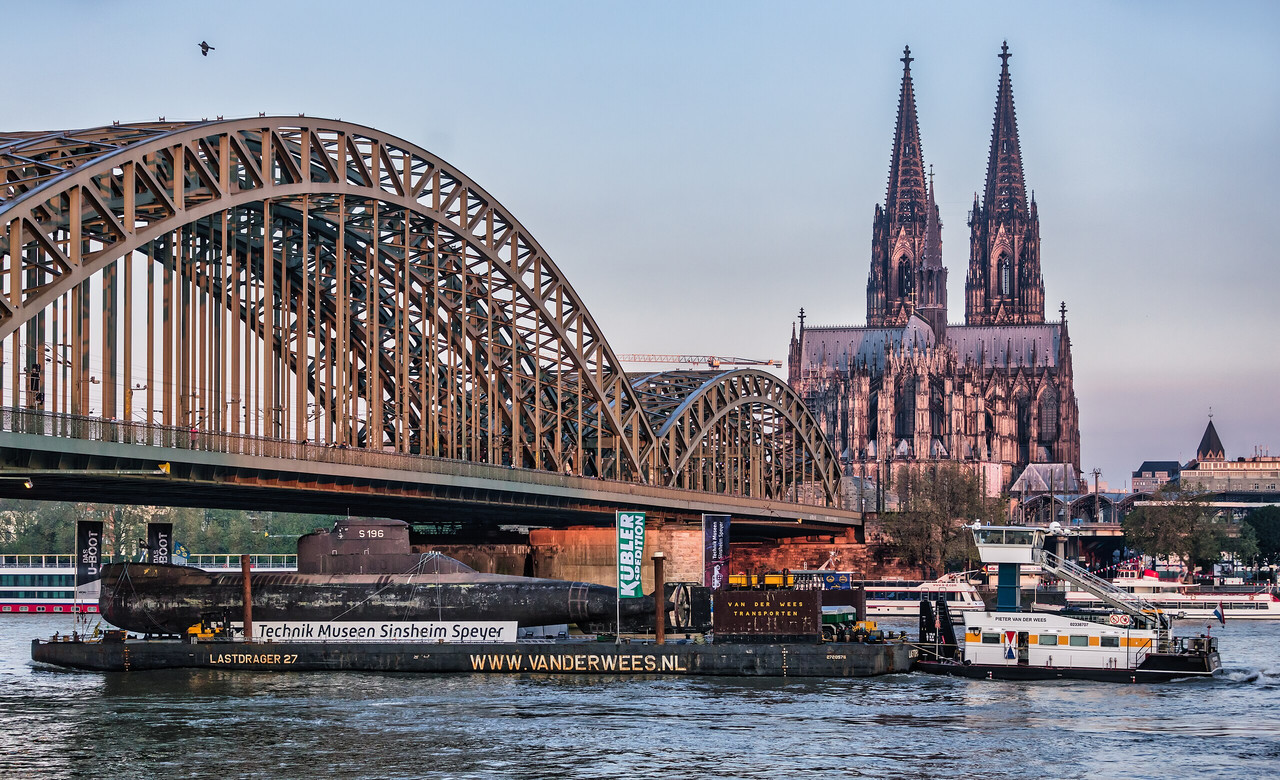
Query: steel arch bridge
{"type": "Point", "coordinates": [316, 281]}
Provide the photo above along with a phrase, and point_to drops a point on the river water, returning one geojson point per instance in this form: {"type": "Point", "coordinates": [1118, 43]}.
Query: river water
{"type": "Point", "coordinates": [355, 725]}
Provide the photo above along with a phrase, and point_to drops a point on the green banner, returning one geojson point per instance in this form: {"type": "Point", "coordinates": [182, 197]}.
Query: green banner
{"type": "Point", "coordinates": [630, 554]}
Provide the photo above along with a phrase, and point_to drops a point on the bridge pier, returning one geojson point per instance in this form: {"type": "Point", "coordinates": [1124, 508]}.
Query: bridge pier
{"type": "Point", "coordinates": [587, 554]}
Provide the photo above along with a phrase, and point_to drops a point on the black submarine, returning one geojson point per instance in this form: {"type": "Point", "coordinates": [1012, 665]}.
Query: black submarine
{"type": "Point", "coordinates": [359, 570]}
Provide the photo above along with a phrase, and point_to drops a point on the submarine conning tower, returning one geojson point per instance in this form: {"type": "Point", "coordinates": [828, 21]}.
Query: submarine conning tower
{"type": "Point", "coordinates": [1009, 547]}
{"type": "Point", "coordinates": [368, 546]}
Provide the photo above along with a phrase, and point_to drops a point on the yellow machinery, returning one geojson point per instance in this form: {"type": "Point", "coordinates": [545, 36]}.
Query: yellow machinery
{"type": "Point", "coordinates": [775, 579]}
{"type": "Point", "coordinates": [213, 627]}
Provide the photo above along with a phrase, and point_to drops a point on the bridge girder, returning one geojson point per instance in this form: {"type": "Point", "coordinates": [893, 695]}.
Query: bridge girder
{"type": "Point", "coordinates": [315, 279]}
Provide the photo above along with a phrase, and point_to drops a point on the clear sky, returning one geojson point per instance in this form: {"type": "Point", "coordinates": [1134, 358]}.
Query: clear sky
{"type": "Point", "coordinates": [702, 170]}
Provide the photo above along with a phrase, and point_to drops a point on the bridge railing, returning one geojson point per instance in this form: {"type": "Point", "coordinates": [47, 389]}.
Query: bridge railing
{"type": "Point", "coordinates": [99, 429]}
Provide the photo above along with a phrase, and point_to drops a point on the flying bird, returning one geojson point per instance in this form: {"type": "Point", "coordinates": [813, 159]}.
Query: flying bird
{"type": "Point", "coordinates": [205, 49]}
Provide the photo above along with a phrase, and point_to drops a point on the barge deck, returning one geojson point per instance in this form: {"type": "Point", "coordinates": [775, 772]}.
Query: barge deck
{"type": "Point", "coordinates": [851, 659]}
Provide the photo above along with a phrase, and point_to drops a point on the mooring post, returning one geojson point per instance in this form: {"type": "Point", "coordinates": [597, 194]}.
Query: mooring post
{"type": "Point", "coordinates": [659, 598]}
{"type": "Point", "coordinates": [248, 598]}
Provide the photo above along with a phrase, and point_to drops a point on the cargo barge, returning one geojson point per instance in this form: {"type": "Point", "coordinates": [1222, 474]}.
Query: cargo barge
{"type": "Point", "coordinates": [363, 600]}
{"type": "Point", "coordinates": [842, 659]}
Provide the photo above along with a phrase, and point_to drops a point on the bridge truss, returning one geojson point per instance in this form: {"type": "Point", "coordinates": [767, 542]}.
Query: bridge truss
{"type": "Point", "coordinates": [322, 282]}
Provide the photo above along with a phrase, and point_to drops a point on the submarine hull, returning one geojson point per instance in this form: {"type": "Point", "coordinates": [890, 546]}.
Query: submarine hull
{"type": "Point", "coordinates": [168, 599]}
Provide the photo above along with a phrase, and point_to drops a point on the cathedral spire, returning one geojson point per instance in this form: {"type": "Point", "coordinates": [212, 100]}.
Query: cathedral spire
{"type": "Point", "coordinates": [905, 199]}
{"type": "Point", "coordinates": [1006, 189]}
{"type": "Point", "coordinates": [1004, 285]}
{"type": "Point", "coordinates": [931, 298]}
{"type": "Point", "coordinates": [933, 230]}
{"type": "Point", "coordinates": [898, 232]}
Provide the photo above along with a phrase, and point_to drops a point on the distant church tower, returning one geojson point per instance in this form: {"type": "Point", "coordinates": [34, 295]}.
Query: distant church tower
{"type": "Point", "coordinates": [906, 263]}
{"type": "Point", "coordinates": [1004, 286]}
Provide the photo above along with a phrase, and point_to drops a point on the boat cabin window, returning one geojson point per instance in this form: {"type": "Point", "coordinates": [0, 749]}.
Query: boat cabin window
{"type": "Point", "coordinates": [990, 639]}
{"type": "Point", "coordinates": [1048, 639]}
{"type": "Point", "coordinates": [1079, 641]}
{"type": "Point", "coordinates": [1110, 641]}
{"type": "Point", "coordinates": [1018, 536]}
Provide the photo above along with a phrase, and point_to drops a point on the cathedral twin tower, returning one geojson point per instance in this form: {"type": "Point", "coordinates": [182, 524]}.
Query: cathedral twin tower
{"type": "Point", "coordinates": [1003, 285]}
{"type": "Point", "coordinates": [996, 392]}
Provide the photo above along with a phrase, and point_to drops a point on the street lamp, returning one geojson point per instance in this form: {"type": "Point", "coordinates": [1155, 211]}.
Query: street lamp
{"type": "Point", "coordinates": [1097, 506]}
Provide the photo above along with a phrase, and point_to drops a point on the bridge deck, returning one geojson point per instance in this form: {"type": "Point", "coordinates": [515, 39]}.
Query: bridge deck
{"type": "Point", "coordinates": [111, 461]}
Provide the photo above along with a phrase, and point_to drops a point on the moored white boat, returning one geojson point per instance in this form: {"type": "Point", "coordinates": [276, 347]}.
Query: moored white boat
{"type": "Point", "coordinates": [890, 598]}
{"type": "Point", "coordinates": [40, 584]}
{"type": "Point", "coordinates": [1186, 601]}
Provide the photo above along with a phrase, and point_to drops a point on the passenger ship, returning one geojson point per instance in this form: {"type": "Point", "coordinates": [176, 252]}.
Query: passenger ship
{"type": "Point", "coordinates": [46, 584]}
{"type": "Point", "coordinates": [1184, 601]}
{"type": "Point", "coordinates": [1130, 640]}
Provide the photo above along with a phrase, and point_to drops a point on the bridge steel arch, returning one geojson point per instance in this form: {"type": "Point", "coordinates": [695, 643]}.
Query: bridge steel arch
{"type": "Point", "coordinates": [742, 431]}
{"type": "Point", "coordinates": [317, 280]}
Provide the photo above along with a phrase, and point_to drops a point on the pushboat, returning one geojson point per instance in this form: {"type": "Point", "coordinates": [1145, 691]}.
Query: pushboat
{"type": "Point", "coordinates": [1127, 640]}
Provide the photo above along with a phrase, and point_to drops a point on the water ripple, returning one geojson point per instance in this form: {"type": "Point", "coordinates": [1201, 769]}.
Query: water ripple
{"type": "Point", "coordinates": [204, 723]}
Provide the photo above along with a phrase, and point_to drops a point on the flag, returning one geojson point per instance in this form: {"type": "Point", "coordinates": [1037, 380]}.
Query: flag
{"type": "Point", "coordinates": [160, 542]}
{"type": "Point", "coordinates": [630, 553]}
{"type": "Point", "coordinates": [1220, 614]}
{"type": "Point", "coordinates": [89, 551]}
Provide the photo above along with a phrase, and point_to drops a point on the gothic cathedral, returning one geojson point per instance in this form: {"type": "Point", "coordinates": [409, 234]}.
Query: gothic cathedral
{"type": "Point", "coordinates": [995, 392]}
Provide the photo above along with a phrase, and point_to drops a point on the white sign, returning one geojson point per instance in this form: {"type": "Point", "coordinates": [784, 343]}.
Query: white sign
{"type": "Point", "coordinates": [469, 631]}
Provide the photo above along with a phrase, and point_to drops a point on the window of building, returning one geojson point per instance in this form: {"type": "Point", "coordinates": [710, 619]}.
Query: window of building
{"type": "Point", "coordinates": [1049, 415]}
{"type": "Point", "coordinates": [1079, 641]}
{"type": "Point", "coordinates": [1006, 281]}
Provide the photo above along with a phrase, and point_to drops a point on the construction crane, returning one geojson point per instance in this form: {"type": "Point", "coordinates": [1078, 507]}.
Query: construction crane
{"type": "Point", "coordinates": [713, 361]}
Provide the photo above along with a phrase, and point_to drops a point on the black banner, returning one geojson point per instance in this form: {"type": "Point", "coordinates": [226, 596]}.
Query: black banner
{"type": "Point", "coordinates": [160, 542]}
{"type": "Point", "coordinates": [88, 551]}
{"type": "Point", "coordinates": [715, 551]}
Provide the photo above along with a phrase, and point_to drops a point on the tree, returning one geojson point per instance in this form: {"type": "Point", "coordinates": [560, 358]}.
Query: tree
{"type": "Point", "coordinates": [1243, 545]}
{"type": "Point", "coordinates": [1178, 524]}
{"type": "Point", "coordinates": [936, 503]}
{"type": "Point", "coordinates": [47, 527]}
{"type": "Point", "coordinates": [1265, 524]}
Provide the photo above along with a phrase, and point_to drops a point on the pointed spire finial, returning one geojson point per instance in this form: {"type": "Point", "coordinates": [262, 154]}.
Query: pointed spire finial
{"type": "Point", "coordinates": [1210, 412]}
{"type": "Point", "coordinates": [907, 59]}
{"type": "Point", "coordinates": [1004, 55]}
{"type": "Point", "coordinates": [1063, 309]}
{"type": "Point", "coordinates": [801, 319]}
